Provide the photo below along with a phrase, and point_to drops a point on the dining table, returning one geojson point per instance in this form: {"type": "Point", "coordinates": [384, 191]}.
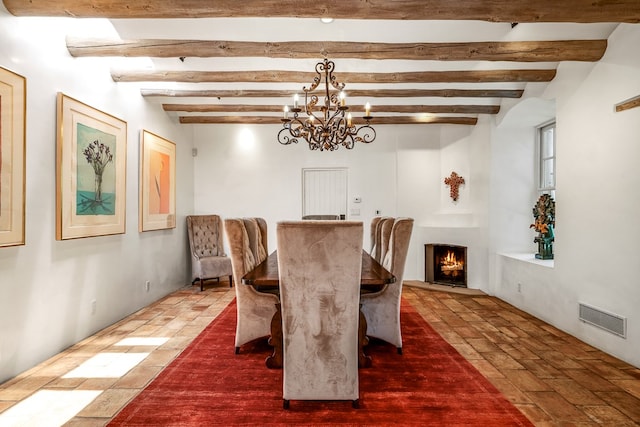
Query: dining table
{"type": "Point", "coordinates": [265, 278]}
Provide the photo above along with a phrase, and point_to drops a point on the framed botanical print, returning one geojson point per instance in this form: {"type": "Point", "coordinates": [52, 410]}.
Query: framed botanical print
{"type": "Point", "coordinates": [157, 185]}
{"type": "Point", "coordinates": [13, 92]}
{"type": "Point", "coordinates": [90, 171]}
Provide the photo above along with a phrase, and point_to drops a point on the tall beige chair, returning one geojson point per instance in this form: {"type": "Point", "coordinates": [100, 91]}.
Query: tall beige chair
{"type": "Point", "coordinates": [257, 232]}
{"type": "Point", "coordinates": [383, 232]}
{"type": "Point", "coordinates": [208, 260]}
{"type": "Point", "coordinates": [386, 225]}
{"type": "Point", "coordinates": [373, 229]}
{"type": "Point", "coordinates": [320, 266]}
{"type": "Point", "coordinates": [382, 309]}
{"type": "Point", "coordinates": [254, 309]}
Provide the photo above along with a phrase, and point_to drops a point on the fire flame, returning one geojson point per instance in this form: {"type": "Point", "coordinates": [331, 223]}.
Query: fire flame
{"type": "Point", "coordinates": [450, 262]}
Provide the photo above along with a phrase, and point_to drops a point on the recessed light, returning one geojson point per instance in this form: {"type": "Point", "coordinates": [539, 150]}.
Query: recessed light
{"type": "Point", "coordinates": [326, 20]}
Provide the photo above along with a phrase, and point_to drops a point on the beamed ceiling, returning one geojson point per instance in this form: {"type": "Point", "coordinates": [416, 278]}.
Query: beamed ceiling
{"type": "Point", "coordinates": [422, 61]}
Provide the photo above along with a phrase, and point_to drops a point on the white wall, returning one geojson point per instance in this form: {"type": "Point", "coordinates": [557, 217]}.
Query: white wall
{"type": "Point", "coordinates": [243, 171]}
{"type": "Point", "coordinates": [46, 286]}
{"type": "Point", "coordinates": [597, 205]}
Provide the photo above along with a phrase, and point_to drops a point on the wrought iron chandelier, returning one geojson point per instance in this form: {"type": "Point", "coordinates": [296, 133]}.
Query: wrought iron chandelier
{"type": "Point", "coordinates": [334, 127]}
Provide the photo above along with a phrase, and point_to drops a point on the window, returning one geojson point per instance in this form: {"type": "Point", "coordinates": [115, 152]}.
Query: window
{"type": "Point", "coordinates": [547, 158]}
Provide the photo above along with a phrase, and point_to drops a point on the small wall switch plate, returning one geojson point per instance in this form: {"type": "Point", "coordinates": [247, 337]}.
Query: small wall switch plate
{"type": "Point", "coordinates": [357, 200]}
{"type": "Point", "coordinates": [355, 212]}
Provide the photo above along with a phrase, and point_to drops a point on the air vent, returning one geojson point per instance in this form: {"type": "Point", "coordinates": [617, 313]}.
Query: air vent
{"type": "Point", "coordinates": [609, 322]}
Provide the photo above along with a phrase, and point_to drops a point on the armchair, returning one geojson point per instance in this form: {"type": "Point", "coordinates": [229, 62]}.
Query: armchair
{"type": "Point", "coordinates": [208, 260]}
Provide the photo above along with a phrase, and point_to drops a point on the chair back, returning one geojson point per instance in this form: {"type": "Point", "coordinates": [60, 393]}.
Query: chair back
{"type": "Point", "coordinates": [321, 217]}
{"type": "Point", "coordinates": [320, 264]}
{"type": "Point", "coordinates": [382, 240]}
{"type": "Point", "coordinates": [205, 235]}
{"type": "Point", "coordinates": [257, 233]}
{"type": "Point", "coordinates": [242, 256]}
{"type": "Point", "coordinates": [386, 226]}
{"type": "Point", "coordinates": [373, 229]}
{"type": "Point", "coordinates": [396, 255]}
{"type": "Point", "coordinates": [382, 309]}
{"type": "Point", "coordinates": [254, 309]}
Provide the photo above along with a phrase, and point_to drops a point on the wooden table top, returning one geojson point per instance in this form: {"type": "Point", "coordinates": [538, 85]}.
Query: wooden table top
{"type": "Point", "coordinates": [266, 273]}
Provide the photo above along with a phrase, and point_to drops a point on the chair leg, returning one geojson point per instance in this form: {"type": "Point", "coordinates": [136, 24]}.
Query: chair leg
{"type": "Point", "coordinates": [237, 350]}
{"type": "Point", "coordinates": [231, 281]}
{"type": "Point", "coordinates": [285, 404]}
{"type": "Point", "coordinates": [400, 351]}
{"type": "Point", "coordinates": [355, 404]}
{"type": "Point", "coordinates": [201, 285]}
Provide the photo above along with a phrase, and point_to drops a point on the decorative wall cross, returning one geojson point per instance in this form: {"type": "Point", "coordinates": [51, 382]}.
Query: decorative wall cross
{"type": "Point", "coordinates": [454, 182]}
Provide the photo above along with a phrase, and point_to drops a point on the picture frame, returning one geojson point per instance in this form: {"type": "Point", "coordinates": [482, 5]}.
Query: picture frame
{"type": "Point", "coordinates": [13, 107]}
{"type": "Point", "coordinates": [91, 160]}
{"type": "Point", "coordinates": [157, 185]}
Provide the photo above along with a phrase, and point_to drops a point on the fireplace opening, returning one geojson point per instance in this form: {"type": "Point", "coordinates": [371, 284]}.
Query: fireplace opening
{"type": "Point", "coordinates": [446, 264]}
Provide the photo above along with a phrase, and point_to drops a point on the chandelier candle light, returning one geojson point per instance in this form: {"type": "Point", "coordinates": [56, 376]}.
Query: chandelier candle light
{"type": "Point", "coordinates": [334, 128]}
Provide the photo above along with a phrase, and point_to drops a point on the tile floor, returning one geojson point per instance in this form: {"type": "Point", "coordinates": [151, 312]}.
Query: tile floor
{"type": "Point", "coordinates": [553, 378]}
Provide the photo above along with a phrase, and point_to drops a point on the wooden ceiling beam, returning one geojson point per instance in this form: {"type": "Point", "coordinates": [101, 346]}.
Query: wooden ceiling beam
{"type": "Point", "coordinates": [370, 93]}
{"type": "Point", "coordinates": [245, 108]}
{"type": "Point", "coordinates": [494, 11]}
{"type": "Point", "coordinates": [390, 120]}
{"type": "Point", "coordinates": [521, 51]}
{"type": "Point", "coordinates": [281, 76]}
{"type": "Point", "coordinates": [628, 104]}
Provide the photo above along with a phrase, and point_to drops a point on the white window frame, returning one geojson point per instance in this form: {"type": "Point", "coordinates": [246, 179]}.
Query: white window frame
{"type": "Point", "coordinates": [541, 158]}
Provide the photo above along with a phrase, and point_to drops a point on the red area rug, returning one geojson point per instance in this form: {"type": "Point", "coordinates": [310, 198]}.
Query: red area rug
{"type": "Point", "coordinates": [430, 384]}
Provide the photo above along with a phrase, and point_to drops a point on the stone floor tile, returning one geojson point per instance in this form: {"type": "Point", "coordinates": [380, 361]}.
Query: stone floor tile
{"type": "Point", "coordinates": [623, 402]}
{"type": "Point", "coordinates": [502, 360]}
{"type": "Point", "coordinates": [486, 368]}
{"type": "Point", "coordinates": [482, 345]}
{"type": "Point", "coordinates": [608, 416]}
{"type": "Point", "coordinates": [510, 391]}
{"type": "Point", "coordinates": [590, 380]}
{"type": "Point", "coordinates": [558, 407]}
{"type": "Point", "coordinates": [525, 380]}
{"type": "Point", "coordinates": [541, 368]}
{"type": "Point", "coordinates": [631, 386]}
{"type": "Point", "coordinates": [574, 392]}
{"type": "Point", "coordinates": [108, 403]}
{"type": "Point", "coordinates": [467, 351]}
{"type": "Point", "coordinates": [138, 377]}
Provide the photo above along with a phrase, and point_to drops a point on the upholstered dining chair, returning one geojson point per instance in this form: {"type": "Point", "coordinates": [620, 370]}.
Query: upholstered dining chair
{"type": "Point", "coordinates": [382, 309]}
{"type": "Point", "coordinates": [208, 260]}
{"type": "Point", "coordinates": [373, 228]}
{"type": "Point", "coordinates": [321, 217]}
{"type": "Point", "coordinates": [257, 232]}
{"type": "Point", "coordinates": [254, 309]}
{"type": "Point", "coordinates": [383, 232]}
{"type": "Point", "coordinates": [386, 226]}
{"type": "Point", "coordinates": [320, 263]}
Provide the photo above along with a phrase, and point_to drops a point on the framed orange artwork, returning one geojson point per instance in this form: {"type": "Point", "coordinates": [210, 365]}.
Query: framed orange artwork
{"type": "Point", "coordinates": [13, 91]}
{"type": "Point", "coordinates": [157, 183]}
